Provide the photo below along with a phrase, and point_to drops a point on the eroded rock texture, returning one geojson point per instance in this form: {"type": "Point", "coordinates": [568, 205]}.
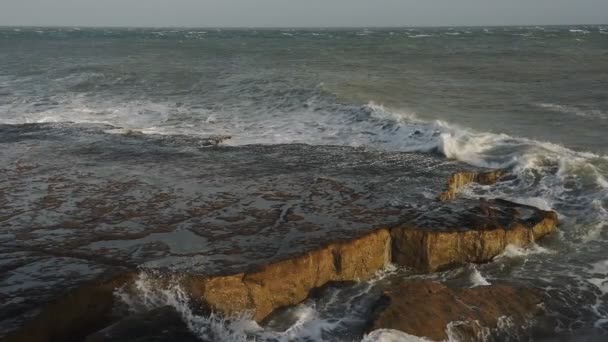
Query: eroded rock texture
{"type": "Point", "coordinates": [461, 179]}
{"type": "Point", "coordinates": [290, 281]}
{"type": "Point", "coordinates": [468, 234]}
{"type": "Point", "coordinates": [429, 309]}
{"type": "Point", "coordinates": [79, 206]}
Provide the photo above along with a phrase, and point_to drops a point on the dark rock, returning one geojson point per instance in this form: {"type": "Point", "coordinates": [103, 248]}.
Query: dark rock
{"type": "Point", "coordinates": [158, 325]}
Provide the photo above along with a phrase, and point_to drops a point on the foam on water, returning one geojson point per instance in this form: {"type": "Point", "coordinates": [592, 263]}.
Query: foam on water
{"type": "Point", "coordinates": [545, 175]}
{"type": "Point", "coordinates": [390, 335]}
{"type": "Point", "coordinates": [257, 101]}
{"type": "Point", "coordinates": [309, 321]}
{"type": "Point", "coordinates": [512, 251]}
{"type": "Point", "coordinates": [150, 294]}
{"type": "Point", "coordinates": [477, 279]}
{"type": "Point", "coordinates": [598, 277]}
{"type": "Point", "coordinates": [572, 110]}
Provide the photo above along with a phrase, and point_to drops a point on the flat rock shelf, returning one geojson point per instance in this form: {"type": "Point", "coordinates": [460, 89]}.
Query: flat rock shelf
{"type": "Point", "coordinates": [255, 228]}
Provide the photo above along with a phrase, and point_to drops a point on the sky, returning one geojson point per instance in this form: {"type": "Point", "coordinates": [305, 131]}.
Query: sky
{"type": "Point", "coordinates": [300, 13]}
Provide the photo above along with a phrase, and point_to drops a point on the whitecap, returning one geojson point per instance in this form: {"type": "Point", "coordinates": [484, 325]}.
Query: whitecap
{"type": "Point", "coordinates": [390, 335]}
{"type": "Point", "coordinates": [566, 109]}
{"type": "Point", "coordinates": [513, 251]}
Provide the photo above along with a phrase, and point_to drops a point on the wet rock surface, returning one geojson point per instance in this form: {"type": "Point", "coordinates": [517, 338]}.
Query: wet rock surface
{"type": "Point", "coordinates": [470, 233]}
{"type": "Point", "coordinates": [289, 282]}
{"type": "Point", "coordinates": [430, 309]}
{"type": "Point", "coordinates": [159, 325]}
{"type": "Point", "coordinates": [461, 179]}
{"type": "Point", "coordinates": [79, 206]}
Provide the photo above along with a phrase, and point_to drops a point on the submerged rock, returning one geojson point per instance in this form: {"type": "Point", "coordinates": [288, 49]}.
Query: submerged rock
{"type": "Point", "coordinates": [158, 325]}
{"type": "Point", "coordinates": [215, 140]}
{"type": "Point", "coordinates": [73, 315]}
{"type": "Point", "coordinates": [432, 310]}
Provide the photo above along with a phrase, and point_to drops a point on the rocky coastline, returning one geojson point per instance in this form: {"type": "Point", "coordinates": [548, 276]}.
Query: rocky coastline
{"type": "Point", "coordinates": [338, 212]}
{"type": "Point", "coordinates": [483, 234]}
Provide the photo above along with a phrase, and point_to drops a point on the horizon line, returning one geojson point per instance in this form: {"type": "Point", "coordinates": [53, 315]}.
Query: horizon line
{"type": "Point", "coordinates": [286, 27]}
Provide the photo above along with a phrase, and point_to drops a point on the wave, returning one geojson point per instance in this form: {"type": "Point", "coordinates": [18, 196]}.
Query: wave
{"type": "Point", "coordinates": [477, 279]}
{"type": "Point", "coordinates": [585, 113]}
{"type": "Point", "coordinates": [546, 175]}
{"type": "Point", "coordinates": [306, 322]}
{"type": "Point", "coordinates": [512, 251]}
{"type": "Point", "coordinates": [337, 314]}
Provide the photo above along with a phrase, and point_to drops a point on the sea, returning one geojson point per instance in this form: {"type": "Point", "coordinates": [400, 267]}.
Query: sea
{"type": "Point", "coordinates": [532, 100]}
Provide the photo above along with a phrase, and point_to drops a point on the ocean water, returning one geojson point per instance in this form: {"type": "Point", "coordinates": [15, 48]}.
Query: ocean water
{"type": "Point", "coordinates": [533, 100]}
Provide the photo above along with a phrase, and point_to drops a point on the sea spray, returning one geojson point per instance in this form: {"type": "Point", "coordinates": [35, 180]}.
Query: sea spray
{"type": "Point", "coordinates": [477, 279]}
{"type": "Point", "coordinates": [311, 320]}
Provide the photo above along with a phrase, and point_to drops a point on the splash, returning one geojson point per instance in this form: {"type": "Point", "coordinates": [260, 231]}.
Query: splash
{"type": "Point", "coordinates": [151, 291]}
{"type": "Point", "coordinates": [512, 251]}
{"type": "Point", "coordinates": [390, 335]}
{"type": "Point", "coordinates": [477, 279]}
{"type": "Point", "coordinates": [339, 312]}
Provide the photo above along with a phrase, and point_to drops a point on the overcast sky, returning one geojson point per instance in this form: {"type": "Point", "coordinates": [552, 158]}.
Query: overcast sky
{"type": "Point", "coordinates": [300, 13]}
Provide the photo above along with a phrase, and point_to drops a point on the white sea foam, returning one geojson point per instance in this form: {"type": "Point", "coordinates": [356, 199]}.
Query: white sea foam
{"type": "Point", "coordinates": [390, 335]}
{"type": "Point", "coordinates": [595, 232]}
{"type": "Point", "coordinates": [512, 251]}
{"type": "Point", "coordinates": [308, 323]}
{"type": "Point", "coordinates": [566, 109]}
{"type": "Point", "coordinates": [150, 293]}
{"type": "Point", "coordinates": [402, 117]}
{"type": "Point", "coordinates": [373, 126]}
{"type": "Point", "coordinates": [456, 335]}
{"type": "Point", "coordinates": [477, 279]}
{"type": "Point", "coordinates": [598, 278]}
{"type": "Point", "coordinates": [547, 174]}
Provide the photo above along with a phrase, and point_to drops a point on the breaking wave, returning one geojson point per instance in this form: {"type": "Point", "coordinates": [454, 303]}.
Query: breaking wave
{"type": "Point", "coordinates": [339, 312]}
{"type": "Point", "coordinates": [541, 174]}
{"type": "Point", "coordinates": [546, 175]}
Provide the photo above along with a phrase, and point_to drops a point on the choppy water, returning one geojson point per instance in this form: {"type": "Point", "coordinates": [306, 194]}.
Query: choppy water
{"type": "Point", "coordinates": [530, 99]}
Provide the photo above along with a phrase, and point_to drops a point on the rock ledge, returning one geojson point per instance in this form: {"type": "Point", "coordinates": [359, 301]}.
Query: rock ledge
{"type": "Point", "coordinates": [430, 309]}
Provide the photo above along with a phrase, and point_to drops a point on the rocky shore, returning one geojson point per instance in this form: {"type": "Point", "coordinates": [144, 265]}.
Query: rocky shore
{"type": "Point", "coordinates": [432, 310]}
{"type": "Point", "coordinates": [254, 228]}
